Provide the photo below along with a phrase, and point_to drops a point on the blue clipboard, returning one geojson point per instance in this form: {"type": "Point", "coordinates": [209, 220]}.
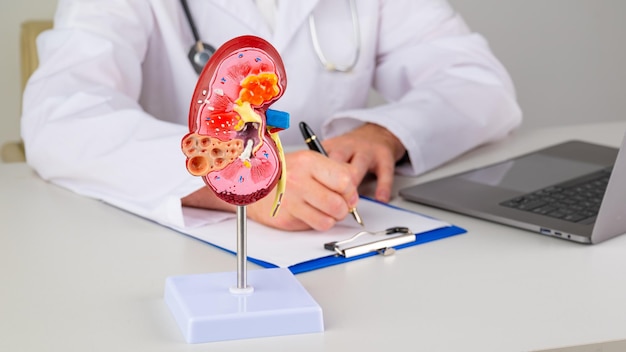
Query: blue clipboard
{"type": "Point", "coordinates": [334, 259]}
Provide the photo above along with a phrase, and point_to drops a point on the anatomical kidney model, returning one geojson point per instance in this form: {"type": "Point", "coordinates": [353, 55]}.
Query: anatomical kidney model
{"type": "Point", "coordinates": [232, 141]}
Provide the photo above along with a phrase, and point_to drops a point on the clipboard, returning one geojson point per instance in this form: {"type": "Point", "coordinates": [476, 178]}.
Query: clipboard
{"type": "Point", "coordinates": [332, 259]}
{"type": "Point", "coordinates": [272, 248]}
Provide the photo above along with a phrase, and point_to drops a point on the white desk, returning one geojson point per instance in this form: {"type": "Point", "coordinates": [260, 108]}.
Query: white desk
{"type": "Point", "coordinates": [79, 275]}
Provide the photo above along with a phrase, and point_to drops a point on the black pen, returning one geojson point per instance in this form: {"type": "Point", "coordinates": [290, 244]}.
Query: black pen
{"type": "Point", "coordinates": [314, 144]}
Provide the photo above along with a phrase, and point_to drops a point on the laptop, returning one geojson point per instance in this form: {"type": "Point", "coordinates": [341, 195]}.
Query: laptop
{"type": "Point", "coordinates": [573, 190]}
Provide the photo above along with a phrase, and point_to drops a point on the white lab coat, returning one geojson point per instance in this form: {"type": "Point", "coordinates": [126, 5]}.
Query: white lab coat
{"type": "Point", "coordinates": [105, 112]}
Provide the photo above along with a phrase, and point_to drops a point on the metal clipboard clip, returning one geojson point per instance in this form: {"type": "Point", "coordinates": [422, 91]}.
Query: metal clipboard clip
{"type": "Point", "coordinates": [354, 245]}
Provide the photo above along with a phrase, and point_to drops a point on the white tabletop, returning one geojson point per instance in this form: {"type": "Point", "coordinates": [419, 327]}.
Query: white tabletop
{"type": "Point", "coordinates": [79, 275]}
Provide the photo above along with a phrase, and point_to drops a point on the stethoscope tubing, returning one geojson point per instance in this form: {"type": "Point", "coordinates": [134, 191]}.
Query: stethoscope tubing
{"type": "Point", "coordinates": [201, 52]}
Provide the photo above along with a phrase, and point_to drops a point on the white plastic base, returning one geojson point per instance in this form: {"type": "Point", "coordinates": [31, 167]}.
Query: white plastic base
{"type": "Point", "coordinates": [206, 310]}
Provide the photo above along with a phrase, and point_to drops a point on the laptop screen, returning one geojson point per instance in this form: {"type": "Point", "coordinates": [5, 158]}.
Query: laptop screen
{"type": "Point", "coordinates": [530, 172]}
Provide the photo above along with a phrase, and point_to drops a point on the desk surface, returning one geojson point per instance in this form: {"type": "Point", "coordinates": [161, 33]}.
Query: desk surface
{"type": "Point", "coordinates": [79, 275]}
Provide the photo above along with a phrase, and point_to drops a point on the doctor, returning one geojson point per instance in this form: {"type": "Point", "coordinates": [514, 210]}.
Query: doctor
{"type": "Point", "coordinates": [105, 112]}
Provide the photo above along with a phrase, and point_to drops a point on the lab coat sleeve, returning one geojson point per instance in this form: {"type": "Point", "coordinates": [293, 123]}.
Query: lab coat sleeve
{"type": "Point", "coordinates": [446, 91]}
{"type": "Point", "coordinates": [82, 126]}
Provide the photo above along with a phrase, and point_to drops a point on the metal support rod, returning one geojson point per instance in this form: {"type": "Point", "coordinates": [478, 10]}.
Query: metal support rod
{"type": "Point", "coordinates": [241, 247]}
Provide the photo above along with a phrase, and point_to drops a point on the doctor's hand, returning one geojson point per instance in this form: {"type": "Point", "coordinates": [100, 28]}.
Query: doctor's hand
{"type": "Point", "coordinates": [319, 192]}
{"type": "Point", "coordinates": [369, 148]}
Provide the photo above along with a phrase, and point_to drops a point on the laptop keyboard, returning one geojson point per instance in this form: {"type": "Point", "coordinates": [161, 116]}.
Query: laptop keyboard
{"type": "Point", "coordinates": [575, 201]}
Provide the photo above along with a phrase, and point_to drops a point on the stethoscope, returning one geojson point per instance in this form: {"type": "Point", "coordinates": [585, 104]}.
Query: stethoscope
{"type": "Point", "coordinates": [356, 36]}
{"type": "Point", "coordinates": [201, 52]}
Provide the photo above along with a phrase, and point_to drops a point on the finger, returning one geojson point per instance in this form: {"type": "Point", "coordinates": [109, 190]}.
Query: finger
{"type": "Point", "coordinates": [338, 178]}
{"type": "Point", "coordinates": [311, 201]}
{"type": "Point", "coordinates": [307, 210]}
{"type": "Point", "coordinates": [334, 175]}
{"type": "Point", "coordinates": [288, 223]}
{"type": "Point", "coordinates": [303, 218]}
{"type": "Point", "coordinates": [319, 190]}
{"type": "Point", "coordinates": [339, 154]}
{"type": "Point", "coordinates": [312, 217]}
{"type": "Point", "coordinates": [286, 218]}
{"type": "Point", "coordinates": [385, 171]}
{"type": "Point", "coordinates": [329, 202]}
{"type": "Point", "coordinates": [361, 164]}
